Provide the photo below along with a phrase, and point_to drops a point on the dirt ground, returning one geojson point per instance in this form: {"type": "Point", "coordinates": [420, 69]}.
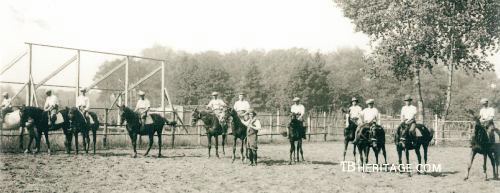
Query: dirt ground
{"type": "Point", "coordinates": [189, 170]}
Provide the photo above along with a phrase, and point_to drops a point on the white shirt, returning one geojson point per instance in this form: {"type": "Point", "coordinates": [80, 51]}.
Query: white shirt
{"type": "Point", "coordinates": [487, 113]}
{"type": "Point", "coordinates": [370, 115]}
{"type": "Point", "coordinates": [255, 124]}
{"type": "Point", "coordinates": [6, 102]}
{"type": "Point", "coordinates": [83, 101]}
{"type": "Point", "coordinates": [355, 111]}
{"type": "Point", "coordinates": [142, 105]}
{"type": "Point", "coordinates": [216, 104]}
{"type": "Point", "coordinates": [299, 109]}
{"type": "Point", "coordinates": [51, 101]}
{"type": "Point", "coordinates": [241, 105]}
{"type": "Point", "coordinates": [408, 113]}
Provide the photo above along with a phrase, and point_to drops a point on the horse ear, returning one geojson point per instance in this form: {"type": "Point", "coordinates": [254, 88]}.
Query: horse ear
{"type": "Point", "coordinates": [195, 109]}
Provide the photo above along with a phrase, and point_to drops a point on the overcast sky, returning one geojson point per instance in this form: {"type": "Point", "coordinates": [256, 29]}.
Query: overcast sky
{"type": "Point", "coordinates": [190, 25]}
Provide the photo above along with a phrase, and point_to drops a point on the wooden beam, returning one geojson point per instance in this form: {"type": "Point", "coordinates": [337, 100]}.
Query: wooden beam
{"type": "Point", "coordinates": [7, 67]}
{"type": "Point", "coordinates": [144, 78]}
{"type": "Point", "coordinates": [91, 86]}
{"type": "Point", "coordinates": [126, 80]}
{"type": "Point", "coordinates": [51, 75]}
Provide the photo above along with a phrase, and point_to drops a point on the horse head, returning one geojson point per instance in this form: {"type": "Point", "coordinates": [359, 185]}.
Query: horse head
{"type": "Point", "coordinates": [29, 115]}
{"type": "Point", "coordinates": [126, 114]}
{"type": "Point", "coordinates": [195, 116]}
{"type": "Point", "coordinates": [403, 137]}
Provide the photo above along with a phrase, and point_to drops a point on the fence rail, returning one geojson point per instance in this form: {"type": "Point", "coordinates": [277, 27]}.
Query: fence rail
{"type": "Point", "coordinates": [328, 126]}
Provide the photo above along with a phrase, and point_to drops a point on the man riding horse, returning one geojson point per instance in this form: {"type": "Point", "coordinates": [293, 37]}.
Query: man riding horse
{"type": "Point", "coordinates": [6, 106]}
{"type": "Point", "coordinates": [354, 112]}
{"type": "Point", "coordinates": [142, 107]}
{"type": "Point", "coordinates": [241, 105]}
{"type": "Point", "coordinates": [83, 104]}
{"type": "Point", "coordinates": [51, 106]}
{"type": "Point", "coordinates": [370, 118]}
{"type": "Point", "coordinates": [298, 109]}
{"type": "Point", "coordinates": [408, 117]}
{"type": "Point", "coordinates": [217, 105]}
{"type": "Point", "coordinates": [486, 117]}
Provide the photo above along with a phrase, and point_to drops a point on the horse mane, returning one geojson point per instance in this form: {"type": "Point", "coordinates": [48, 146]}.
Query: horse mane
{"type": "Point", "coordinates": [130, 115]}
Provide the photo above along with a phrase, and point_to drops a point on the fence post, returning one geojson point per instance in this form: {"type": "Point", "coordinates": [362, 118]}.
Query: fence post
{"type": "Point", "coordinates": [105, 139]}
{"type": "Point", "coordinates": [309, 127]}
{"type": "Point", "coordinates": [435, 129]}
{"type": "Point", "coordinates": [271, 126]}
{"type": "Point", "coordinates": [173, 129]}
{"type": "Point", "coordinates": [199, 134]}
{"type": "Point", "coordinates": [278, 121]}
{"type": "Point", "coordinates": [325, 129]}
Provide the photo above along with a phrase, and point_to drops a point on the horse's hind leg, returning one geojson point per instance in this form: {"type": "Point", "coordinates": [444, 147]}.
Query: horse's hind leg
{"type": "Point", "coordinates": [86, 141]}
{"type": "Point", "coordinates": [473, 154]}
{"type": "Point", "coordinates": [133, 137]}
{"type": "Point", "coordinates": [384, 153]}
{"type": "Point", "coordinates": [346, 143]}
{"type": "Point", "coordinates": [150, 144]}
{"type": "Point", "coordinates": [217, 146]}
{"type": "Point", "coordinates": [94, 139]}
{"type": "Point", "coordinates": [224, 136]}
{"type": "Point", "coordinates": [234, 149]}
{"type": "Point", "coordinates": [46, 134]}
{"type": "Point", "coordinates": [493, 164]}
{"type": "Point", "coordinates": [159, 143]}
{"type": "Point", "coordinates": [21, 138]}
{"type": "Point", "coordinates": [425, 146]}
{"type": "Point", "coordinates": [419, 158]}
{"type": "Point", "coordinates": [292, 149]}
{"type": "Point", "coordinates": [76, 143]}
{"type": "Point", "coordinates": [242, 150]}
{"type": "Point", "coordinates": [301, 151]}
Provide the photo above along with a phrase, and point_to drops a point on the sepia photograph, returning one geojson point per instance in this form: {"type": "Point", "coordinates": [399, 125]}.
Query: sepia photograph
{"type": "Point", "coordinates": [274, 96]}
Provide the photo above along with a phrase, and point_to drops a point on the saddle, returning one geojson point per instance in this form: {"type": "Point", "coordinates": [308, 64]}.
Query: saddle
{"type": "Point", "coordinates": [59, 119]}
{"type": "Point", "coordinates": [149, 120]}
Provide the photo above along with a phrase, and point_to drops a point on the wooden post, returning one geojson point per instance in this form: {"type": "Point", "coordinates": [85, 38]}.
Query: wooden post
{"type": "Point", "coordinates": [30, 64]}
{"type": "Point", "coordinates": [105, 139]}
{"type": "Point", "coordinates": [163, 87]}
{"type": "Point", "coordinates": [126, 80]}
{"type": "Point", "coordinates": [436, 125]}
{"type": "Point", "coordinates": [271, 126]}
{"type": "Point", "coordinates": [325, 129]}
{"type": "Point", "coordinates": [173, 129]}
{"type": "Point", "coordinates": [278, 128]}
{"type": "Point", "coordinates": [77, 88]}
{"type": "Point", "coordinates": [199, 133]}
{"type": "Point", "coordinates": [309, 127]}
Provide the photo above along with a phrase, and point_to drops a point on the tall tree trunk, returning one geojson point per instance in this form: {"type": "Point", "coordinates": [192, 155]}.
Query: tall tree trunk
{"type": "Point", "coordinates": [421, 110]}
{"type": "Point", "coordinates": [448, 90]}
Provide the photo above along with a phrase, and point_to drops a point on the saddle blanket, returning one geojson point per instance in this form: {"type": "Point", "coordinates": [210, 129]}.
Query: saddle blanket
{"type": "Point", "coordinates": [59, 119]}
{"type": "Point", "coordinates": [418, 133]}
{"type": "Point", "coordinates": [149, 120]}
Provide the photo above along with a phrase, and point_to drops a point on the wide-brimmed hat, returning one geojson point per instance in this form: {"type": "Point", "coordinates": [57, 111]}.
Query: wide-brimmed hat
{"type": "Point", "coordinates": [241, 93]}
{"type": "Point", "coordinates": [408, 98]}
{"type": "Point", "coordinates": [48, 91]}
{"type": "Point", "coordinates": [5, 94]}
{"type": "Point", "coordinates": [370, 101]}
{"type": "Point", "coordinates": [141, 93]}
{"type": "Point", "coordinates": [484, 101]}
{"type": "Point", "coordinates": [215, 93]}
{"type": "Point", "coordinates": [296, 99]}
{"type": "Point", "coordinates": [354, 99]}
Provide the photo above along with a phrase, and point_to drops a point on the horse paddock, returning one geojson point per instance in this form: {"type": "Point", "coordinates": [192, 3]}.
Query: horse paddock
{"type": "Point", "coordinates": [189, 170]}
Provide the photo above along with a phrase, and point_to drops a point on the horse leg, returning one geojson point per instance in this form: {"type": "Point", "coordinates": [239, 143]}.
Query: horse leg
{"type": "Point", "coordinates": [209, 143]}
{"type": "Point", "coordinates": [223, 144]}
{"type": "Point", "coordinates": [419, 158]}
{"type": "Point", "coordinates": [94, 139]}
{"type": "Point", "coordinates": [242, 150]}
{"type": "Point", "coordinates": [69, 139]}
{"type": "Point", "coordinates": [384, 153]}
{"type": "Point", "coordinates": [493, 164]}
{"type": "Point", "coordinates": [85, 137]}
{"type": "Point", "coordinates": [134, 143]}
{"type": "Point", "coordinates": [354, 152]}
{"type": "Point", "coordinates": [46, 134]}
{"type": "Point", "coordinates": [21, 138]}
{"type": "Point", "coordinates": [400, 154]}
{"type": "Point", "coordinates": [346, 143]}
{"type": "Point", "coordinates": [361, 157]}
{"type": "Point", "coordinates": [150, 144]}
{"type": "Point", "coordinates": [425, 146]}
{"type": "Point", "coordinates": [301, 151]}
{"type": "Point", "coordinates": [255, 156]}
{"type": "Point", "coordinates": [28, 148]}
{"type": "Point", "coordinates": [234, 149]}
{"type": "Point", "coordinates": [297, 152]}
{"type": "Point", "coordinates": [159, 142]}
{"type": "Point", "coordinates": [376, 151]}
{"type": "Point", "coordinates": [473, 154]}
{"type": "Point", "coordinates": [367, 150]}
{"type": "Point", "coordinates": [407, 154]}
{"type": "Point", "coordinates": [485, 159]}
{"type": "Point", "coordinates": [38, 139]}
{"type": "Point", "coordinates": [217, 146]}
{"type": "Point", "coordinates": [76, 143]}
{"type": "Point", "coordinates": [292, 149]}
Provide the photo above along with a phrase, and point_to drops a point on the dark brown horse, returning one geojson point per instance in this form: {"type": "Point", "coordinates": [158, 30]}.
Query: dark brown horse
{"type": "Point", "coordinates": [77, 124]}
{"type": "Point", "coordinates": [406, 141]}
{"type": "Point", "coordinates": [373, 138]}
{"type": "Point", "coordinates": [36, 121]}
{"type": "Point", "coordinates": [349, 133]}
{"type": "Point", "coordinates": [135, 128]}
{"type": "Point", "coordinates": [92, 126]}
{"type": "Point", "coordinates": [481, 143]}
{"type": "Point", "coordinates": [239, 132]}
{"type": "Point", "coordinates": [295, 134]}
{"type": "Point", "coordinates": [212, 127]}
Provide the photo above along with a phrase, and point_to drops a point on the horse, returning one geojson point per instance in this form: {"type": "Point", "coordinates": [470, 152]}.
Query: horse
{"type": "Point", "coordinates": [481, 143]}
{"type": "Point", "coordinates": [349, 133]}
{"type": "Point", "coordinates": [92, 126]}
{"type": "Point", "coordinates": [134, 127]}
{"type": "Point", "coordinates": [77, 124]}
{"type": "Point", "coordinates": [371, 137]}
{"type": "Point", "coordinates": [212, 126]}
{"type": "Point", "coordinates": [406, 141]}
{"type": "Point", "coordinates": [38, 123]}
{"type": "Point", "coordinates": [239, 132]}
{"type": "Point", "coordinates": [295, 135]}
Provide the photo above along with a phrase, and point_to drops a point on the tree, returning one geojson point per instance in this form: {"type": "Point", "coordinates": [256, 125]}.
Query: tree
{"type": "Point", "coordinates": [252, 86]}
{"type": "Point", "coordinates": [309, 82]}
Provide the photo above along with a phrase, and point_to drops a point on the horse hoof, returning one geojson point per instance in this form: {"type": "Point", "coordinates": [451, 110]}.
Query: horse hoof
{"type": "Point", "coordinates": [48, 151]}
{"type": "Point", "coordinates": [466, 178]}
{"type": "Point", "coordinates": [134, 156]}
{"type": "Point", "coordinates": [159, 156]}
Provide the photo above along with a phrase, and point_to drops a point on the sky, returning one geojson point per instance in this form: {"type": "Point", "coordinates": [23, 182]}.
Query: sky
{"type": "Point", "coordinates": [190, 25]}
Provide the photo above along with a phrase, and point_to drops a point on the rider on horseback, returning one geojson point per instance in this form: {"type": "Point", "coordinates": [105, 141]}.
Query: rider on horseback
{"type": "Point", "coordinates": [217, 106]}
{"type": "Point", "coordinates": [241, 106]}
{"type": "Point", "coordinates": [83, 104]}
{"type": "Point", "coordinates": [142, 107]}
{"type": "Point", "coordinates": [299, 109]}
{"type": "Point", "coordinates": [487, 115]}
{"type": "Point", "coordinates": [354, 112]}
{"type": "Point", "coordinates": [408, 116]}
{"type": "Point", "coordinates": [370, 118]}
{"type": "Point", "coordinates": [6, 105]}
{"type": "Point", "coordinates": [51, 106]}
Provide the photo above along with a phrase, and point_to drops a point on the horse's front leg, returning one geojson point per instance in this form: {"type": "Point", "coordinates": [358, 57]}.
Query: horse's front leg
{"type": "Point", "coordinates": [21, 138]}
{"type": "Point", "coordinates": [94, 138]}
{"type": "Point", "coordinates": [407, 154]}
{"type": "Point", "coordinates": [159, 142]}
{"type": "Point", "coordinates": [367, 150]}
{"type": "Point", "coordinates": [224, 136]}
{"type": "Point", "coordinates": [301, 151]}
{"type": "Point", "coordinates": [346, 143]}
{"type": "Point", "coordinates": [493, 165]}
{"type": "Point", "coordinates": [234, 149]}
{"type": "Point", "coordinates": [217, 146]}
{"type": "Point", "coordinates": [400, 154]}
{"type": "Point", "coordinates": [76, 142]}
{"type": "Point", "coordinates": [38, 139]}
{"type": "Point", "coordinates": [133, 136]}
{"type": "Point", "coordinates": [292, 150]}
{"type": "Point", "coordinates": [242, 149]}
{"type": "Point", "coordinates": [384, 153]}
{"type": "Point", "coordinates": [209, 143]}
{"type": "Point", "coordinates": [419, 158]}
{"type": "Point", "coordinates": [485, 156]}
{"type": "Point", "coordinates": [46, 134]}
{"type": "Point", "coordinates": [473, 154]}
